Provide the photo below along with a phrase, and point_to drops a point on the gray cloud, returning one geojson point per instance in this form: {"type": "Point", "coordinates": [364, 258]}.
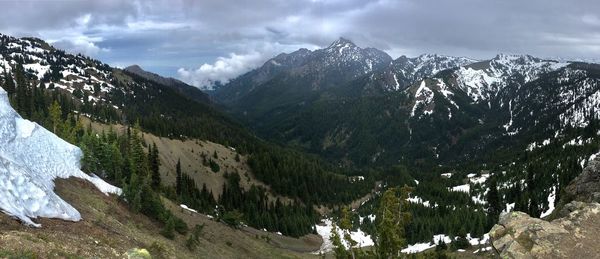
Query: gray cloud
{"type": "Point", "coordinates": [201, 41]}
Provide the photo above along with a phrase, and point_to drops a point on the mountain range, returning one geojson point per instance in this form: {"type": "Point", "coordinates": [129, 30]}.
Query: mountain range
{"type": "Point", "coordinates": [380, 111]}
{"type": "Point", "coordinates": [317, 130]}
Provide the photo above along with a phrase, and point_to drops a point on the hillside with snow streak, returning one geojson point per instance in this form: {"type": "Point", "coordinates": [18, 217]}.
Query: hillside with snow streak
{"type": "Point", "coordinates": [31, 158]}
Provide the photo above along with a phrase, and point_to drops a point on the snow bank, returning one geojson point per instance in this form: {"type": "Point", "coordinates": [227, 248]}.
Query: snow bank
{"type": "Point", "coordinates": [420, 247]}
{"type": "Point", "coordinates": [551, 198]}
{"type": "Point", "coordinates": [446, 175]}
{"type": "Point", "coordinates": [419, 200]}
{"type": "Point", "coordinates": [185, 207]}
{"type": "Point", "coordinates": [461, 188]}
{"type": "Point", "coordinates": [31, 158]}
{"type": "Point", "coordinates": [478, 180]}
{"type": "Point", "coordinates": [371, 218]}
{"type": "Point", "coordinates": [325, 230]}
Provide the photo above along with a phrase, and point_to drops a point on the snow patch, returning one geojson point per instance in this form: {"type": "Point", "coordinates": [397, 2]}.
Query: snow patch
{"type": "Point", "coordinates": [24, 127]}
{"type": "Point", "coordinates": [446, 175]}
{"type": "Point", "coordinates": [479, 180]}
{"type": "Point", "coordinates": [551, 199]}
{"type": "Point", "coordinates": [325, 230]}
{"type": "Point", "coordinates": [535, 145]}
{"type": "Point", "coordinates": [420, 247]}
{"type": "Point", "coordinates": [185, 207]}
{"type": "Point", "coordinates": [419, 200]}
{"type": "Point", "coordinates": [461, 188]}
{"type": "Point", "coordinates": [423, 97]}
{"type": "Point", "coordinates": [31, 158]}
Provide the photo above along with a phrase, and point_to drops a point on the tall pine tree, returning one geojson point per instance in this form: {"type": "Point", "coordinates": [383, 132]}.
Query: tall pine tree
{"type": "Point", "coordinates": [178, 180]}
{"type": "Point", "coordinates": [392, 218]}
{"type": "Point", "coordinates": [493, 200]}
{"type": "Point", "coordinates": [154, 165]}
{"type": "Point", "coordinates": [9, 84]}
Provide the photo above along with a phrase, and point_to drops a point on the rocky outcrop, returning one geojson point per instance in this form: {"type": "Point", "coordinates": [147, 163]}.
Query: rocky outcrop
{"type": "Point", "coordinates": [586, 187]}
{"type": "Point", "coordinates": [574, 234]}
{"type": "Point", "coordinates": [517, 235]}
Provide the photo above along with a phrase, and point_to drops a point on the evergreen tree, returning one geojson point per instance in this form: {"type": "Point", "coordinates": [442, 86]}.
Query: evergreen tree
{"type": "Point", "coordinates": [55, 116]}
{"type": "Point", "coordinates": [154, 165]}
{"type": "Point", "coordinates": [392, 218]}
{"type": "Point", "coordinates": [9, 84]}
{"type": "Point", "coordinates": [533, 209]}
{"type": "Point", "coordinates": [346, 226]}
{"type": "Point", "coordinates": [339, 249]}
{"type": "Point", "coordinates": [493, 200]}
{"type": "Point", "coordinates": [178, 180]}
{"type": "Point", "coordinates": [22, 91]}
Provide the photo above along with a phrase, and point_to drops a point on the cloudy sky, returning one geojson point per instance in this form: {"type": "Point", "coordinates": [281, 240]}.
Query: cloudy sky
{"type": "Point", "coordinates": [203, 40]}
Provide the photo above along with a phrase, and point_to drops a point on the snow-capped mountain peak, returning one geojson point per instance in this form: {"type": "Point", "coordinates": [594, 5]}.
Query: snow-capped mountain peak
{"type": "Point", "coordinates": [344, 53]}
{"type": "Point", "coordinates": [483, 80]}
{"type": "Point", "coordinates": [341, 43]}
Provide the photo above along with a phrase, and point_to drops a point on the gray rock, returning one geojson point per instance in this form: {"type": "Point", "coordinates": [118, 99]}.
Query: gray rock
{"type": "Point", "coordinates": [518, 235]}
{"type": "Point", "coordinates": [586, 186]}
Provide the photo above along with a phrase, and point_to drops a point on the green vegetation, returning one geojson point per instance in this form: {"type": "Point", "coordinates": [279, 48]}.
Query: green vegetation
{"type": "Point", "coordinates": [194, 239]}
{"type": "Point", "coordinates": [292, 174]}
{"type": "Point", "coordinates": [252, 207]}
{"type": "Point", "coordinates": [392, 217]}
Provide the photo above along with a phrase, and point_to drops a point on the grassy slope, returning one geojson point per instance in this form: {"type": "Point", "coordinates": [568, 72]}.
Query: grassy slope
{"type": "Point", "coordinates": [110, 230]}
{"type": "Point", "coordinates": [189, 152]}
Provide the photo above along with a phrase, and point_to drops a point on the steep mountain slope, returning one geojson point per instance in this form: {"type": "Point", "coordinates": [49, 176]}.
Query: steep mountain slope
{"type": "Point", "coordinates": [34, 164]}
{"type": "Point", "coordinates": [31, 158]}
{"type": "Point", "coordinates": [404, 71]}
{"type": "Point", "coordinates": [111, 230]}
{"type": "Point", "coordinates": [111, 94]}
{"type": "Point", "coordinates": [192, 155]}
{"type": "Point", "coordinates": [526, 100]}
{"type": "Point", "coordinates": [333, 101]}
{"type": "Point", "coordinates": [181, 87]}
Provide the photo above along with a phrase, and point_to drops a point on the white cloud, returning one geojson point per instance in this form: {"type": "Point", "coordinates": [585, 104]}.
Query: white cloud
{"type": "Point", "coordinates": [222, 70]}
{"type": "Point", "coordinates": [155, 25]}
{"type": "Point", "coordinates": [74, 39]}
{"type": "Point", "coordinates": [80, 44]}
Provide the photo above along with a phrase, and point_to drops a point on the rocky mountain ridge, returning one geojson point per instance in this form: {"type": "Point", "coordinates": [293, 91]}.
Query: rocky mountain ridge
{"type": "Point", "coordinates": [181, 87]}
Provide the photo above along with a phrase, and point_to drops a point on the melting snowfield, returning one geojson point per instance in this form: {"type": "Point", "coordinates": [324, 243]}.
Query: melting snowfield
{"type": "Point", "coordinates": [325, 231]}
{"type": "Point", "coordinates": [420, 247]}
{"type": "Point", "coordinates": [31, 158]}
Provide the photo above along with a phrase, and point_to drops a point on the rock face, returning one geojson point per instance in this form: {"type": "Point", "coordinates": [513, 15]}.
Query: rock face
{"type": "Point", "coordinates": [586, 187]}
{"type": "Point", "coordinates": [573, 235]}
